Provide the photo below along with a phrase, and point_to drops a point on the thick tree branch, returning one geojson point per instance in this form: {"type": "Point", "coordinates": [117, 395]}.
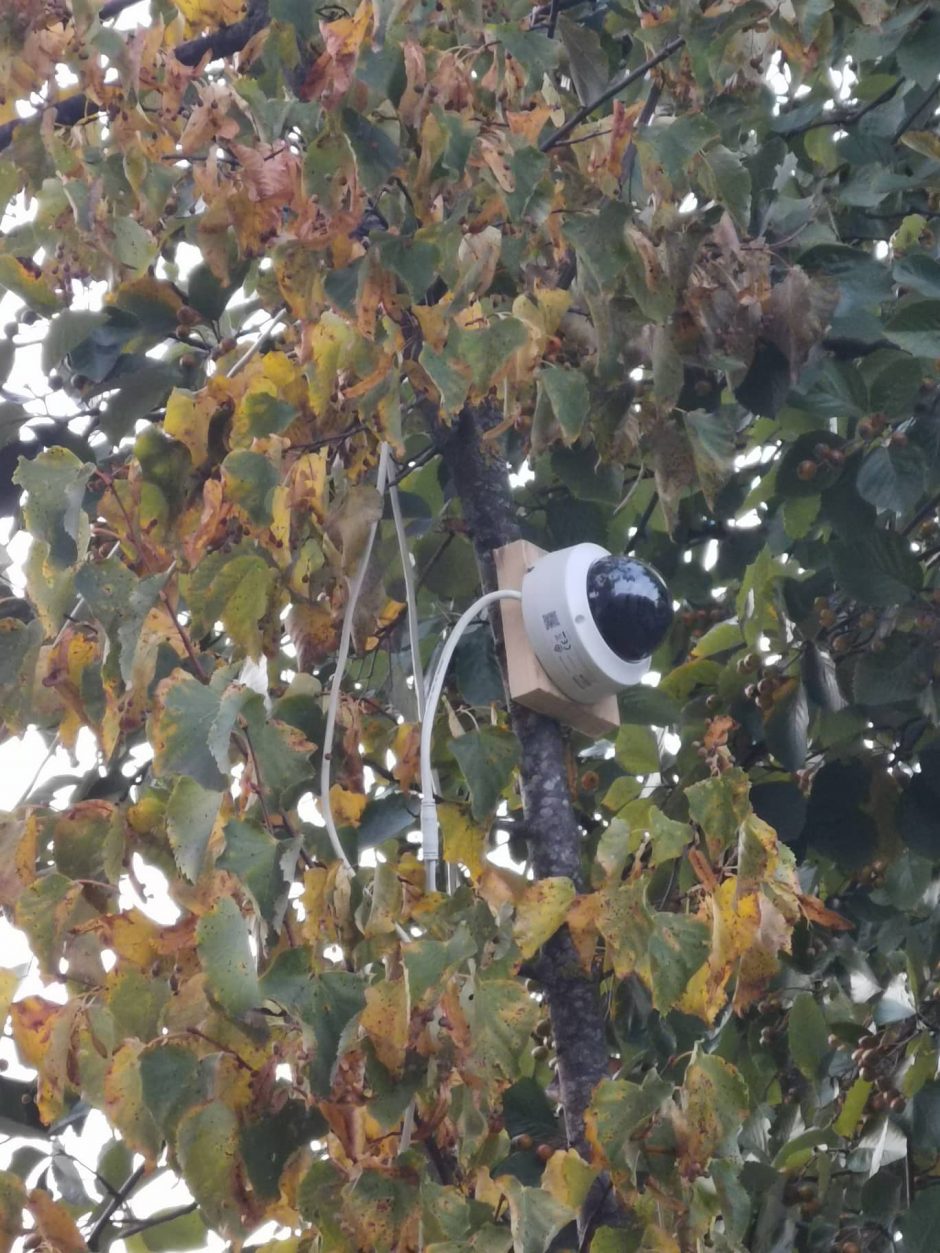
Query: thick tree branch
{"type": "Point", "coordinates": [480, 477]}
{"type": "Point", "coordinates": [224, 42]}
{"type": "Point", "coordinates": [613, 89]}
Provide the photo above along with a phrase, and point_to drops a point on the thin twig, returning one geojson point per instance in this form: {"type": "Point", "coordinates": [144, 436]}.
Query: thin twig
{"type": "Point", "coordinates": [112, 1204]}
{"type": "Point", "coordinates": [156, 1220]}
{"type": "Point", "coordinates": [643, 523]}
{"type": "Point", "coordinates": [186, 640]}
{"type": "Point", "coordinates": [629, 157]}
{"type": "Point", "coordinates": [613, 89]}
{"type": "Point", "coordinates": [846, 117]}
{"type": "Point", "coordinates": [914, 113]}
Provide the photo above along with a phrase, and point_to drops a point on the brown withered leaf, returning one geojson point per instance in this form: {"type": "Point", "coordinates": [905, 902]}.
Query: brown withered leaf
{"type": "Point", "coordinates": [797, 316]}
{"type": "Point", "coordinates": [813, 910]}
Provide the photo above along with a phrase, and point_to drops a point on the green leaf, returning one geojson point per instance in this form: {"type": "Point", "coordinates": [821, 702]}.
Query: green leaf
{"type": "Point", "coordinates": [527, 1111]}
{"type": "Point", "coordinates": [191, 813]}
{"type": "Point", "coordinates": [121, 602]}
{"type": "Point", "coordinates": [669, 838]}
{"type": "Point", "coordinates": [678, 946]}
{"type": "Point", "coordinates": [250, 479]}
{"type": "Point", "coordinates": [413, 259]}
{"type": "Point", "coordinates": [787, 727]}
{"type": "Point", "coordinates": [892, 479]}
{"type": "Point", "coordinates": [920, 272]}
{"type": "Point", "coordinates": [255, 858]}
{"type": "Point", "coordinates": [67, 331]}
{"type": "Point", "coordinates": [267, 1143]}
{"type": "Point", "coordinates": [177, 1233]}
{"type": "Point", "coordinates": [853, 1107]}
{"type": "Point", "coordinates": [449, 382]}
{"type": "Point", "coordinates": [54, 482]}
{"type": "Point", "coordinates": [714, 1102]}
{"type": "Point", "coordinates": [721, 638]}
{"type": "Point", "coordinates": [898, 672]}
{"type": "Point", "coordinates": [807, 1034]}
{"type": "Point", "coordinates": [180, 726]}
{"type": "Point", "coordinates": [876, 567]}
{"type": "Point", "coordinates": [207, 1145]}
{"type": "Point", "coordinates": [724, 178]}
{"type": "Point", "coordinates": [325, 1003]}
{"type": "Point", "coordinates": [236, 588]}
{"type": "Point", "coordinates": [487, 759]}
{"type": "Point", "coordinates": [587, 61]}
{"type": "Point", "coordinates": [720, 805]}
{"type": "Point", "coordinates": [484, 352]}
{"type": "Point", "coordinates": [207, 293]}
{"type": "Point", "coordinates": [377, 155]}
{"type": "Point", "coordinates": [677, 140]}
{"type": "Point", "coordinates": [648, 706]}
{"type": "Point", "coordinates": [133, 246]}
{"type": "Point", "coordinates": [282, 752]}
{"type": "Point", "coordinates": [636, 750]}
{"type": "Point", "coordinates": [501, 1016]}
{"type": "Point", "coordinates": [171, 1082]}
{"type": "Point", "coordinates": [916, 328]}
{"type": "Point", "coordinates": [535, 1216]}
{"type": "Point", "coordinates": [920, 1224]}
{"type": "Point", "coordinates": [619, 1109]}
{"type": "Point", "coordinates": [567, 392]}
{"type": "Point", "coordinates": [225, 955]}
{"type": "Point", "coordinates": [918, 56]}
{"type": "Point", "coordinates": [894, 389]}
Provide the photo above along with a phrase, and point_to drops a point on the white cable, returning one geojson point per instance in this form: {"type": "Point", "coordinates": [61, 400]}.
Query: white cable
{"type": "Point", "coordinates": [411, 601]}
{"type": "Point", "coordinates": [430, 831]}
{"type": "Point", "coordinates": [341, 658]}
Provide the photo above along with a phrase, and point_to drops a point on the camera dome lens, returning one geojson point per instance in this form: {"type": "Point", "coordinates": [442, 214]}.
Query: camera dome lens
{"type": "Point", "coordinates": [630, 604]}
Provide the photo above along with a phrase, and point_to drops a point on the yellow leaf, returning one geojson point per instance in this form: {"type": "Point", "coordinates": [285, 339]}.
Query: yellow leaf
{"type": "Point", "coordinates": [735, 922]}
{"type": "Point", "coordinates": [760, 964]}
{"type": "Point", "coordinates": [405, 745]}
{"type": "Point", "coordinates": [568, 1178]}
{"type": "Point", "coordinates": [200, 14]}
{"type": "Point", "coordinates": [385, 1021]}
{"type": "Point", "coordinates": [307, 484]}
{"type": "Point", "coordinates": [540, 912]}
{"type": "Point", "coordinates": [33, 1020]}
{"type": "Point", "coordinates": [582, 924]}
{"type": "Point", "coordinates": [326, 901]}
{"type": "Point", "coordinates": [347, 806]}
{"type": "Point", "coordinates": [187, 419]}
{"type": "Point", "coordinates": [9, 982]}
{"type": "Point", "coordinates": [22, 280]}
{"type": "Point", "coordinates": [464, 840]}
{"type": "Point", "coordinates": [124, 1102]}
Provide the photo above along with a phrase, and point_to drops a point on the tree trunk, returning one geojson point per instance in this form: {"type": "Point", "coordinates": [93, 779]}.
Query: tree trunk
{"type": "Point", "coordinates": [480, 477]}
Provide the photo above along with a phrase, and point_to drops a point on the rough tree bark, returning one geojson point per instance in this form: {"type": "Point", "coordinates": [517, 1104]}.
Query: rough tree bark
{"type": "Point", "coordinates": [480, 477]}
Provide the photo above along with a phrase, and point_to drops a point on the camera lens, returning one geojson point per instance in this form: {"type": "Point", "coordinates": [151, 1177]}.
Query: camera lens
{"type": "Point", "coordinates": [630, 604]}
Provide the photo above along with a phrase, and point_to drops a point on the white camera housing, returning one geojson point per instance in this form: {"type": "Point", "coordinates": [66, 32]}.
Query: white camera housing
{"type": "Point", "coordinates": [562, 629]}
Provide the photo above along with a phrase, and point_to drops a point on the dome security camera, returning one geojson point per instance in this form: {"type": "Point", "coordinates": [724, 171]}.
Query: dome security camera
{"type": "Point", "coordinates": [593, 620]}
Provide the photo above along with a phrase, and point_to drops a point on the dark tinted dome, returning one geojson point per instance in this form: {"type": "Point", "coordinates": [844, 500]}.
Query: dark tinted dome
{"type": "Point", "coordinates": [630, 604]}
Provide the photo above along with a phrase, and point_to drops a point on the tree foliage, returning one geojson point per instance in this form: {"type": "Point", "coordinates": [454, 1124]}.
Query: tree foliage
{"type": "Point", "coordinates": [680, 263]}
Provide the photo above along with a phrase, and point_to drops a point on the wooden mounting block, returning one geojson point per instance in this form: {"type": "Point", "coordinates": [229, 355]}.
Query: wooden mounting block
{"type": "Point", "coordinates": [529, 685]}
